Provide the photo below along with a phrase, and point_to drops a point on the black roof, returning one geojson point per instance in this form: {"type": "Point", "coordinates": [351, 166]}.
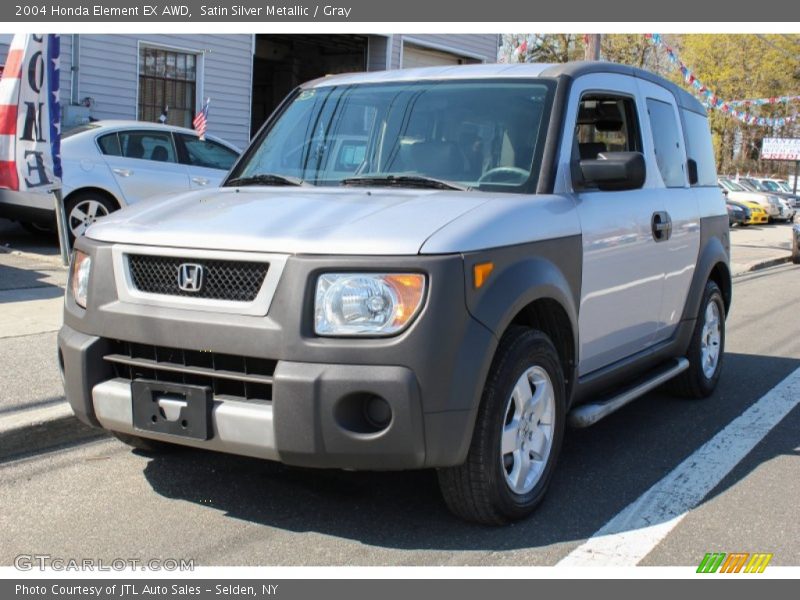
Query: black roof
{"type": "Point", "coordinates": [579, 68]}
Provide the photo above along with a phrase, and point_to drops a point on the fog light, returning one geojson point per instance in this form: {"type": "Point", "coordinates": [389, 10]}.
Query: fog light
{"type": "Point", "coordinates": [377, 412]}
{"type": "Point", "coordinates": [363, 413]}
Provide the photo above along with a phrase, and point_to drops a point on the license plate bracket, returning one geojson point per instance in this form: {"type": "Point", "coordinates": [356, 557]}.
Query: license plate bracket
{"type": "Point", "coordinates": [171, 408]}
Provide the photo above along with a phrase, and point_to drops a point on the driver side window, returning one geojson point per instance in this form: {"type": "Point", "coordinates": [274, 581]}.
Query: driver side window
{"type": "Point", "coordinates": [606, 123]}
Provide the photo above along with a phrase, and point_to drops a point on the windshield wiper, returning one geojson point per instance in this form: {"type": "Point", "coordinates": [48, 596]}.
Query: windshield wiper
{"type": "Point", "coordinates": [264, 179]}
{"type": "Point", "coordinates": [404, 181]}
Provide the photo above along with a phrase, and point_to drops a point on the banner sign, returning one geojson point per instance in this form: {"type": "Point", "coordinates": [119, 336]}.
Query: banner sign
{"type": "Point", "coordinates": [30, 114]}
{"type": "Point", "coordinates": [781, 149]}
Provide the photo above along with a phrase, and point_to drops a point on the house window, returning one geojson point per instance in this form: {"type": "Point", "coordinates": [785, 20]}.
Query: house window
{"type": "Point", "coordinates": [167, 78]}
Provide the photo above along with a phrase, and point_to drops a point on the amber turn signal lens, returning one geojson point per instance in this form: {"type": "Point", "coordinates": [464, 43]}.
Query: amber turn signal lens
{"type": "Point", "coordinates": [480, 273]}
{"type": "Point", "coordinates": [409, 289]}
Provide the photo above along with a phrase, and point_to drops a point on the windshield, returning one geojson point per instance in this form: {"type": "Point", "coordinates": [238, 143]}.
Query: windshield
{"type": "Point", "coordinates": [731, 185]}
{"type": "Point", "coordinates": [473, 134]}
{"type": "Point", "coordinates": [770, 185]}
{"type": "Point", "coordinates": [751, 185]}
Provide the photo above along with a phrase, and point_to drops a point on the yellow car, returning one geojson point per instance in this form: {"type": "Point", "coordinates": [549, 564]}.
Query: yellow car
{"type": "Point", "coordinates": [758, 215]}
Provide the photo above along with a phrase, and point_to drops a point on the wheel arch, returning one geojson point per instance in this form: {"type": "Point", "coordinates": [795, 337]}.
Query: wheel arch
{"type": "Point", "coordinates": [95, 190]}
{"type": "Point", "coordinates": [550, 317]}
{"type": "Point", "coordinates": [535, 292]}
{"type": "Point", "coordinates": [712, 265]}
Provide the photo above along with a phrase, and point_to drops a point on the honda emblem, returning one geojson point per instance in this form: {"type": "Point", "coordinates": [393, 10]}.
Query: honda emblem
{"type": "Point", "coordinates": [190, 277]}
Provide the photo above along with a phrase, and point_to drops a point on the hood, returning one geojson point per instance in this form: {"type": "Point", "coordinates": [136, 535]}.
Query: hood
{"type": "Point", "coordinates": [757, 197]}
{"type": "Point", "coordinates": [290, 220]}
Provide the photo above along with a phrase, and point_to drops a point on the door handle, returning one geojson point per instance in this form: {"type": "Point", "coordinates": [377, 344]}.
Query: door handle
{"type": "Point", "coordinates": [661, 225]}
{"type": "Point", "coordinates": [200, 180]}
{"type": "Point", "coordinates": [123, 172]}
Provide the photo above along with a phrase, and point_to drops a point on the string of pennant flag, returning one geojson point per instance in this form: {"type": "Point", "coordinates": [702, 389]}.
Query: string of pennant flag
{"type": "Point", "coordinates": [706, 95]}
{"type": "Point", "coordinates": [712, 100]}
{"type": "Point", "coordinates": [765, 101]}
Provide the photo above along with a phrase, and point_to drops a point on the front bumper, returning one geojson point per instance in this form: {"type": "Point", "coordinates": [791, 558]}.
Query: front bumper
{"type": "Point", "coordinates": [306, 396]}
{"type": "Point", "coordinates": [431, 376]}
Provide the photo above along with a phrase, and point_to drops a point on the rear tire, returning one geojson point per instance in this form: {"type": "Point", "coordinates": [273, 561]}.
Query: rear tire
{"type": "Point", "coordinates": [143, 444]}
{"type": "Point", "coordinates": [36, 228]}
{"type": "Point", "coordinates": [517, 436]}
{"type": "Point", "coordinates": [706, 349]}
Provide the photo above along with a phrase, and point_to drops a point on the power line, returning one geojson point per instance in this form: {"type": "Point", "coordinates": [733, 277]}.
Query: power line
{"type": "Point", "coordinates": [783, 51]}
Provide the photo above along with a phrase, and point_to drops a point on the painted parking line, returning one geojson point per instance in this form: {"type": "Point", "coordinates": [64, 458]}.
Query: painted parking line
{"type": "Point", "coordinates": [630, 535]}
{"type": "Point", "coordinates": [20, 419]}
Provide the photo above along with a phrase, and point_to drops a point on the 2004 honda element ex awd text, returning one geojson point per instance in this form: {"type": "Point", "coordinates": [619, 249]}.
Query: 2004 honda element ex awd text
{"type": "Point", "coordinates": [432, 268]}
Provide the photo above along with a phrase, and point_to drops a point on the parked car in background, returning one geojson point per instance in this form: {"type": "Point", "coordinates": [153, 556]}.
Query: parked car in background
{"type": "Point", "coordinates": [738, 214]}
{"type": "Point", "coordinates": [788, 185]}
{"type": "Point", "coordinates": [110, 164]}
{"type": "Point", "coordinates": [737, 191]}
{"type": "Point", "coordinates": [768, 186]}
{"type": "Point", "coordinates": [787, 210]}
{"type": "Point", "coordinates": [758, 216]}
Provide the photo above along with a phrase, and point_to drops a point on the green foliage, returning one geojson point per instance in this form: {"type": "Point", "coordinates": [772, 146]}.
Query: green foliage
{"type": "Point", "coordinates": [740, 67]}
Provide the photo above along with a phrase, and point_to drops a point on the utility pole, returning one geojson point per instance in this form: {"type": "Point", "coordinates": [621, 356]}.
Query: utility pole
{"type": "Point", "coordinates": [592, 46]}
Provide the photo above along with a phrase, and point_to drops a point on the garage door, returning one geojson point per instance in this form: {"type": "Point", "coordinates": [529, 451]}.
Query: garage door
{"type": "Point", "coordinates": [415, 56]}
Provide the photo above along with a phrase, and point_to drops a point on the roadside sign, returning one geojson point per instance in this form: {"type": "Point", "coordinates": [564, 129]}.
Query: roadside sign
{"type": "Point", "coordinates": [780, 149]}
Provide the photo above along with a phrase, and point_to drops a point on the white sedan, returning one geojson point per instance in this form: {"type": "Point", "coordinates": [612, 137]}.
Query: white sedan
{"type": "Point", "coordinates": [110, 164]}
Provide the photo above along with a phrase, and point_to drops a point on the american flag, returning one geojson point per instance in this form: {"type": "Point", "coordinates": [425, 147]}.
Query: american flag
{"type": "Point", "coordinates": [30, 115]}
{"type": "Point", "coordinates": [201, 120]}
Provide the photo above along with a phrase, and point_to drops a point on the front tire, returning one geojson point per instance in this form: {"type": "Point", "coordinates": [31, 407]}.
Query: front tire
{"type": "Point", "coordinates": [517, 436]}
{"type": "Point", "coordinates": [706, 349]}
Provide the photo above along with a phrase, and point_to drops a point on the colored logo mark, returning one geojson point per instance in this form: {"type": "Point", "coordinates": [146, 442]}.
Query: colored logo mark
{"type": "Point", "coordinates": [735, 562]}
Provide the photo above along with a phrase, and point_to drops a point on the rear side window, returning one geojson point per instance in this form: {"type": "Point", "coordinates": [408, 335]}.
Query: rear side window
{"type": "Point", "coordinates": [667, 141]}
{"type": "Point", "coordinates": [109, 144]}
{"type": "Point", "coordinates": [147, 145]}
{"type": "Point", "coordinates": [699, 147]}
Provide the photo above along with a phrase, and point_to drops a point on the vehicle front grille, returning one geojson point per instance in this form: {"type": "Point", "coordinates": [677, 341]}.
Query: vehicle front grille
{"type": "Point", "coordinates": [234, 280]}
{"type": "Point", "coordinates": [238, 377]}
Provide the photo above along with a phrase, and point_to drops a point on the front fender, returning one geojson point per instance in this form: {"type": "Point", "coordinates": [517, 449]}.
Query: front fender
{"type": "Point", "coordinates": [521, 274]}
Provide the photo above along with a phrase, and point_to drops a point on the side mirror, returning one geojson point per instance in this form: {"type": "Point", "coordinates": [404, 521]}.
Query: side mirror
{"type": "Point", "coordinates": [691, 165]}
{"type": "Point", "coordinates": [614, 171]}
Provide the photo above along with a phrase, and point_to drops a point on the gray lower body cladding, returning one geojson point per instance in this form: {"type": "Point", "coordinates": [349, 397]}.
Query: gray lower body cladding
{"type": "Point", "coordinates": [430, 375]}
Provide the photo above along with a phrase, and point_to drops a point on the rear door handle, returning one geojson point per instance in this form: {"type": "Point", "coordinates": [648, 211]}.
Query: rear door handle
{"type": "Point", "coordinates": [123, 172]}
{"type": "Point", "coordinates": [200, 180]}
{"type": "Point", "coordinates": [661, 224]}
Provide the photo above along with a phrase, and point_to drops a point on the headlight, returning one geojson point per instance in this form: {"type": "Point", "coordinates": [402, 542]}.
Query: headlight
{"type": "Point", "coordinates": [79, 280]}
{"type": "Point", "coordinates": [367, 303]}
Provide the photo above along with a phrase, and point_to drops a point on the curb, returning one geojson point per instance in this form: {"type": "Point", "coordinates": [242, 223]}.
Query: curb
{"type": "Point", "coordinates": [764, 264]}
{"type": "Point", "coordinates": [40, 429]}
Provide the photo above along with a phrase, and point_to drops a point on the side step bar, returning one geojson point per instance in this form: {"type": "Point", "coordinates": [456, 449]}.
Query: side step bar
{"type": "Point", "coordinates": [589, 414]}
